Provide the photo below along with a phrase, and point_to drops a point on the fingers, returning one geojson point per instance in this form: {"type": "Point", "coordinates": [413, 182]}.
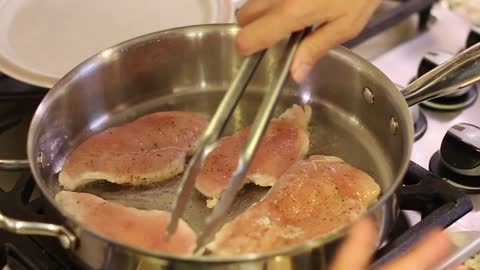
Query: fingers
{"type": "Point", "coordinates": [327, 37]}
{"type": "Point", "coordinates": [278, 22]}
{"type": "Point", "coordinates": [265, 22]}
{"type": "Point", "coordinates": [316, 45]}
{"type": "Point", "coordinates": [425, 255]}
{"type": "Point", "coordinates": [264, 31]}
{"type": "Point", "coordinates": [356, 251]}
{"type": "Point", "coordinates": [253, 9]}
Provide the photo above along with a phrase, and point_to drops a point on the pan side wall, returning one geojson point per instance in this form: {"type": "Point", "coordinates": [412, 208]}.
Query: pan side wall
{"type": "Point", "coordinates": [100, 93]}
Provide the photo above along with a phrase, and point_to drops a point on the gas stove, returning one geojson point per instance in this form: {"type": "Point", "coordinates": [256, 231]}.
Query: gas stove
{"type": "Point", "coordinates": [448, 33]}
{"type": "Point", "coordinates": [404, 39]}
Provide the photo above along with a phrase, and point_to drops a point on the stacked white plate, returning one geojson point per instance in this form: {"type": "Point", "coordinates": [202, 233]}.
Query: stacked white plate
{"type": "Point", "coordinates": [41, 40]}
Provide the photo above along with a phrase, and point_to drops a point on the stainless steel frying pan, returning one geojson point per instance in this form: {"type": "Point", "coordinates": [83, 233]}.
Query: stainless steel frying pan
{"type": "Point", "coordinates": [358, 115]}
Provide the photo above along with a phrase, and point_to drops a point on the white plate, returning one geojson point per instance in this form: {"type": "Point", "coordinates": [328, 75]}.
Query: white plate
{"type": "Point", "coordinates": [41, 40]}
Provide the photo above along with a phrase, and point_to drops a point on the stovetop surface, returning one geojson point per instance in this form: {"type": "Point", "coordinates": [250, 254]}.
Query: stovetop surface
{"type": "Point", "coordinates": [448, 32]}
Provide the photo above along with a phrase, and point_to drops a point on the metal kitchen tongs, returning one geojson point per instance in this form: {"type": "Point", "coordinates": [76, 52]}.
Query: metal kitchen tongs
{"type": "Point", "coordinates": [215, 128]}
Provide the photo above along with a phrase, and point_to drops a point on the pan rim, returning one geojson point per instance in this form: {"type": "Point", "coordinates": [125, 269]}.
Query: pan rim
{"type": "Point", "coordinates": [55, 93]}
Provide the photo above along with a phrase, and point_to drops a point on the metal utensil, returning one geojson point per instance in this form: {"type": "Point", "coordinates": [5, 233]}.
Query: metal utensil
{"type": "Point", "coordinates": [14, 164]}
{"type": "Point", "coordinates": [214, 129]}
{"type": "Point", "coordinates": [210, 136]}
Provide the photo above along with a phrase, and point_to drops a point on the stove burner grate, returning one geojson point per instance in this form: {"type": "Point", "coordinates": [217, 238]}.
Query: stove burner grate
{"type": "Point", "coordinates": [383, 22]}
{"type": "Point", "coordinates": [439, 204]}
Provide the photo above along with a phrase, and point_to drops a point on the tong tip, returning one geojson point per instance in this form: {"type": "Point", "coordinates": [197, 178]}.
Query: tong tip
{"type": "Point", "coordinates": [172, 227]}
{"type": "Point", "coordinates": [202, 241]}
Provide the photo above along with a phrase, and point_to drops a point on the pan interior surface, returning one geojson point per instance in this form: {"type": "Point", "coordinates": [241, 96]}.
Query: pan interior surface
{"type": "Point", "coordinates": [190, 69]}
{"type": "Point", "coordinates": [332, 132]}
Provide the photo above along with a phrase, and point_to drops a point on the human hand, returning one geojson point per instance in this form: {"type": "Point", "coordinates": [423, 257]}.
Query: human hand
{"type": "Point", "coordinates": [264, 22]}
{"type": "Point", "coordinates": [356, 251]}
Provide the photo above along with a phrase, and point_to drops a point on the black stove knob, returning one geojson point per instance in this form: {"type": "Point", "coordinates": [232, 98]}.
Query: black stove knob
{"type": "Point", "coordinates": [474, 36]}
{"type": "Point", "coordinates": [432, 60]}
{"type": "Point", "coordinates": [460, 149]}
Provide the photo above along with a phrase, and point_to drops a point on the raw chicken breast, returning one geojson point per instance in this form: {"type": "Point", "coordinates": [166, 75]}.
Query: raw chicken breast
{"type": "Point", "coordinates": [150, 149]}
{"type": "Point", "coordinates": [285, 142]}
{"type": "Point", "coordinates": [140, 228]}
{"type": "Point", "coordinates": [314, 197]}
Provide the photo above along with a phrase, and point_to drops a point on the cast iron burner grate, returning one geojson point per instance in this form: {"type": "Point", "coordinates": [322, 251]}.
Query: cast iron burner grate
{"type": "Point", "coordinates": [386, 20]}
{"type": "Point", "coordinates": [439, 203]}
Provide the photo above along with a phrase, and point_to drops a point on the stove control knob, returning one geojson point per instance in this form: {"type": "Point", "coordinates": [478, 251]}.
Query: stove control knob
{"type": "Point", "coordinates": [432, 60]}
{"type": "Point", "coordinates": [474, 36]}
{"type": "Point", "coordinates": [460, 149]}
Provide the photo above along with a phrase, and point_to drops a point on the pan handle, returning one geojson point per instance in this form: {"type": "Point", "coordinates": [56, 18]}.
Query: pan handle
{"type": "Point", "coordinates": [67, 239]}
{"type": "Point", "coordinates": [460, 71]}
{"type": "Point", "coordinates": [14, 164]}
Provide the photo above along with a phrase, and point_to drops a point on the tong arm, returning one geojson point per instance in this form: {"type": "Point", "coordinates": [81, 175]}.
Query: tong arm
{"type": "Point", "coordinates": [250, 147]}
{"type": "Point", "coordinates": [214, 129]}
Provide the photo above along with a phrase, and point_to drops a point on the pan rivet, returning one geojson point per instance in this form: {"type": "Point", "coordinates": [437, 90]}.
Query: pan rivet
{"type": "Point", "coordinates": [40, 159]}
{"type": "Point", "coordinates": [393, 126]}
{"type": "Point", "coordinates": [368, 96]}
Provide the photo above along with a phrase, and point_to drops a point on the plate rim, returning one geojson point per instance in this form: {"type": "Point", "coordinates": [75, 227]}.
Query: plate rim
{"type": "Point", "coordinates": [22, 73]}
